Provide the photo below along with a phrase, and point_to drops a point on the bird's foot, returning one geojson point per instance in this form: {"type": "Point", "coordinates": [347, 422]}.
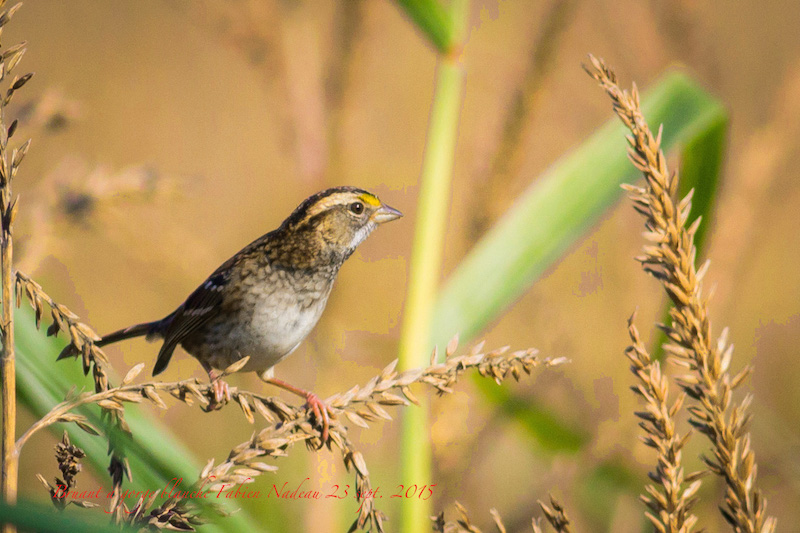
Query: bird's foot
{"type": "Point", "coordinates": [322, 411]}
{"type": "Point", "coordinates": [322, 414]}
{"type": "Point", "coordinates": [222, 393]}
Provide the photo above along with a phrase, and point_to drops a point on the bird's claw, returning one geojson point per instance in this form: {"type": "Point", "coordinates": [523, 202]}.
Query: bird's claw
{"type": "Point", "coordinates": [322, 414]}
{"type": "Point", "coordinates": [222, 394]}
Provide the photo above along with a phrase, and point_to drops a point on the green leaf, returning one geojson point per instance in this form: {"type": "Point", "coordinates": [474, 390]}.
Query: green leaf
{"type": "Point", "coordinates": [701, 168]}
{"type": "Point", "coordinates": [601, 488]}
{"type": "Point", "coordinates": [543, 426]}
{"type": "Point", "coordinates": [30, 516]}
{"type": "Point", "coordinates": [433, 20]}
{"type": "Point", "coordinates": [559, 208]}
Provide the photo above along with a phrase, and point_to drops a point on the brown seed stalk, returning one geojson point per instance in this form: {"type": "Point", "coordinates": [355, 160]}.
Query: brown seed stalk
{"type": "Point", "coordinates": [670, 258]}
{"type": "Point", "coordinates": [10, 160]}
{"type": "Point", "coordinates": [288, 425]}
{"type": "Point", "coordinates": [669, 500]}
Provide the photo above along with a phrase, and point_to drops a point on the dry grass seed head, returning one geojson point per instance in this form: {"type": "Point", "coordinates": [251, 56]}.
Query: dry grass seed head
{"type": "Point", "coordinates": [672, 261]}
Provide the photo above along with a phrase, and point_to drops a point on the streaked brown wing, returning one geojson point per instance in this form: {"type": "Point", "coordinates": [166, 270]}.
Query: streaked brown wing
{"type": "Point", "coordinates": [201, 306]}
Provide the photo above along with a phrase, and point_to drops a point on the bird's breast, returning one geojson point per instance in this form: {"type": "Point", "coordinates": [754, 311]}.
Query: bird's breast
{"type": "Point", "coordinates": [278, 321]}
{"type": "Point", "coordinates": [280, 326]}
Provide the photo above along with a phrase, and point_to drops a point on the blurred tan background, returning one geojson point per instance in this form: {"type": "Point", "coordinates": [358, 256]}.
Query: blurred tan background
{"type": "Point", "coordinates": [168, 134]}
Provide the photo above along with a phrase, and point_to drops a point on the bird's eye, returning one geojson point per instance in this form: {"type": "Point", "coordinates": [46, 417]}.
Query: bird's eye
{"type": "Point", "coordinates": [357, 208]}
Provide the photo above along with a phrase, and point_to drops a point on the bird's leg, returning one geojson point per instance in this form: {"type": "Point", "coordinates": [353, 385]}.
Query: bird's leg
{"type": "Point", "coordinates": [222, 393]}
{"type": "Point", "coordinates": [322, 412]}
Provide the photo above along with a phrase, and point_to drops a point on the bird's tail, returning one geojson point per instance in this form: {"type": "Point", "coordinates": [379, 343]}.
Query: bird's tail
{"type": "Point", "coordinates": [148, 328]}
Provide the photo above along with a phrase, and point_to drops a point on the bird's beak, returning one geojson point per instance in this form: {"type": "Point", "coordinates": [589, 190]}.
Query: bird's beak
{"type": "Point", "coordinates": [385, 214]}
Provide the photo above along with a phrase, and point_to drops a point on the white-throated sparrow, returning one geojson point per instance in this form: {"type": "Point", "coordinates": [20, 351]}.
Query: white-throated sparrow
{"type": "Point", "coordinates": [262, 302]}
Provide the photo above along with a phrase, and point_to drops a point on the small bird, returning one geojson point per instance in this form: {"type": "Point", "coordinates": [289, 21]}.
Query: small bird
{"type": "Point", "coordinates": [262, 302]}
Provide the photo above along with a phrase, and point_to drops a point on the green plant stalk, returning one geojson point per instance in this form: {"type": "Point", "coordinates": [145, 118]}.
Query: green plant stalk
{"type": "Point", "coordinates": [426, 262]}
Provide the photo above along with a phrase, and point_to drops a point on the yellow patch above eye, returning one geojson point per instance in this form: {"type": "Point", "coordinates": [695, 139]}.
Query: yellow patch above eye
{"type": "Point", "coordinates": [341, 199]}
{"type": "Point", "coordinates": [369, 199]}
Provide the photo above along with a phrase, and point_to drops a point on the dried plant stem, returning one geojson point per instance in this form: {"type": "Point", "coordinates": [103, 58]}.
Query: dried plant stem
{"type": "Point", "coordinates": [10, 460]}
{"type": "Point", "coordinates": [670, 502]}
{"type": "Point", "coordinates": [463, 524]}
{"type": "Point", "coordinates": [288, 424]}
{"type": "Point", "coordinates": [83, 338]}
{"type": "Point", "coordinates": [494, 186]}
{"type": "Point", "coordinates": [69, 458]}
{"type": "Point", "coordinates": [348, 25]}
{"type": "Point", "coordinates": [8, 383]}
{"type": "Point", "coordinates": [555, 514]}
{"type": "Point", "coordinates": [360, 405]}
{"type": "Point", "coordinates": [671, 259]}
{"type": "Point", "coordinates": [9, 164]}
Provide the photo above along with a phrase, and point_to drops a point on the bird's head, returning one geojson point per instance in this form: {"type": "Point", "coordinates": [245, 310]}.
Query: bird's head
{"type": "Point", "coordinates": [339, 219]}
